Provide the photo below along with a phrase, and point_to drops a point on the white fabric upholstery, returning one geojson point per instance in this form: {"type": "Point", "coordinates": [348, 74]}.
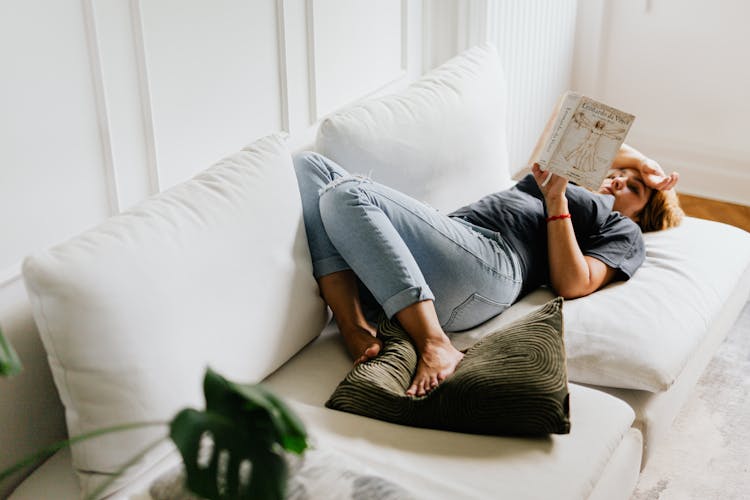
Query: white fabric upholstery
{"type": "Point", "coordinates": [640, 334]}
{"type": "Point", "coordinates": [438, 141]}
{"type": "Point", "coordinates": [132, 311]}
{"type": "Point", "coordinates": [655, 412]}
{"type": "Point", "coordinates": [447, 465]}
{"type": "Point", "coordinates": [621, 475]}
{"type": "Point", "coordinates": [602, 452]}
{"type": "Point", "coordinates": [56, 479]}
{"type": "Point", "coordinates": [442, 140]}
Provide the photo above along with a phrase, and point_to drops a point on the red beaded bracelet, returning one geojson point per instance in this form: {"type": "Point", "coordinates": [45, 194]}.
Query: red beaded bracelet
{"type": "Point", "coordinates": [557, 217]}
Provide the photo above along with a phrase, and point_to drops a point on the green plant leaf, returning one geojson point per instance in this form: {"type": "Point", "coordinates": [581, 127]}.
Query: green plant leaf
{"type": "Point", "coordinates": [10, 365]}
{"type": "Point", "coordinates": [223, 460]}
{"type": "Point", "coordinates": [258, 408]}
{"type": "Point", "coordinates": [234, 449]}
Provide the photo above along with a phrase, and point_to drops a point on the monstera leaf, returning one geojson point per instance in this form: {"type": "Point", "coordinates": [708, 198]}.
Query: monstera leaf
{"type": "Point", "coordinates": [234, 448]}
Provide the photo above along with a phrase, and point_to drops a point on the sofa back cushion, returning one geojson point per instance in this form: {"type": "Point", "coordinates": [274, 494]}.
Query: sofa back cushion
{"type": "Point", "coordinates": [215, 271]}
{"type": "Point", "coordinates": [442, 140]}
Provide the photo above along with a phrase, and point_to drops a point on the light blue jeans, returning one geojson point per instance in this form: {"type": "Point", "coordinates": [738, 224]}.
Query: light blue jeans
{"type": "Point", "coordinates": [402, 250]}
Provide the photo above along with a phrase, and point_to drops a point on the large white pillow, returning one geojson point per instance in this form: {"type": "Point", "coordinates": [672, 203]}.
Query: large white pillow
{"type": "Point", "coordinates": [442, 140]}
{"type": "Point", "coordinates": [215, 271]}
{"type": "Point", "coordinates": [641, 333]}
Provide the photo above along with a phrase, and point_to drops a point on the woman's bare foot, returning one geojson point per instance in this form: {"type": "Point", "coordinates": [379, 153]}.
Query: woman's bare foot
{"type": "Point", "coordinates": [362, 343]}
{"type": "Point", "coordinates": [437, 361]}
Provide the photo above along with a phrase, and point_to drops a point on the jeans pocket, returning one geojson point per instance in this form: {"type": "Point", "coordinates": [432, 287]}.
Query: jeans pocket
{"type": "Point", "coordinates": [472, 312]}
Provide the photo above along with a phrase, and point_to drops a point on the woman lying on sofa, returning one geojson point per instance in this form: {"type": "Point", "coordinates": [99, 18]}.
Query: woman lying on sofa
{"type": "Point", "coordinates": [374, 247]}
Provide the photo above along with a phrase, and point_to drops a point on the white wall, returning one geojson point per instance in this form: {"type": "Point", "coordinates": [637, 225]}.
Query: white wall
{"type": "Point", "coordinates": [105, 102]}
{"type": "Point", "coordinates": [683, 68]}
{"type": "Point", "coordinates": [535, 40]}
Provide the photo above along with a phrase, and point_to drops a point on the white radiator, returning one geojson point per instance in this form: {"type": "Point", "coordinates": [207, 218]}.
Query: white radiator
{"type": "Point", "coordinates": [535, 39]}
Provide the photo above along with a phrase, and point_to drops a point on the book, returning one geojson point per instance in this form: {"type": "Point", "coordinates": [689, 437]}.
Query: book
{"type": "Point", "coordinates": [581, 139]}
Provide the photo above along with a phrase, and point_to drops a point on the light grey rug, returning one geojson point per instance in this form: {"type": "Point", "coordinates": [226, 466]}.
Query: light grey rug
{"type": "Point", "coordinates": [707, 453]}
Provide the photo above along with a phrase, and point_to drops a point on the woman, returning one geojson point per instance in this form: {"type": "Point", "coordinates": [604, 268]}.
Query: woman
{"type": "Point", "coordinates": [372, 245]}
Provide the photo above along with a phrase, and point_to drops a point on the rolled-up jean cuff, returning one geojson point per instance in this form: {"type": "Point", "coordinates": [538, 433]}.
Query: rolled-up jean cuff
{"type": "Point", "coordinates": [329, 265]}
{"type": "Point", "coordinates": [405, 298]}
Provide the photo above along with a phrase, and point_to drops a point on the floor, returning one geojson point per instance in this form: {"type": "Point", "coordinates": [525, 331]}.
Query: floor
{"type": "Point", "coordinates": [704, 455]}
{"type": "Point", "coordinates": [729, 213]}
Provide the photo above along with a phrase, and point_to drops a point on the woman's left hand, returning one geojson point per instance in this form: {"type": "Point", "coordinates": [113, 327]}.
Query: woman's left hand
{"type": "Point", "coordinates": [552, 189]}
{"type": "Point", "coordinates": [654, 177]}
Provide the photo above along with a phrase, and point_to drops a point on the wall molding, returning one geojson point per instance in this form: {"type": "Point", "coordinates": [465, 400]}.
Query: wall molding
{"type": "Point", "coordinates": [311, 70]}
{"type": "Point", "coordinates": [427, 21]}
{"type": "Point", "coordinates": [602, 61]}
{"type": "Point", "coordinates": [283, 69]}
{"type": "Point", "coordinates": [152, 163]}
{"type": "Point", "coordinates": [102, 111]}
{"type": "Point", "coordinates": [704, 171]}
{"type": "Point", "coordinates": [404, 36]}
{"type": "Point", "coordinates": [476, 23]}
{"type": "Point", "coordinates": [315, 112]}
{"type": "Point", "coordinates": [155, 179]}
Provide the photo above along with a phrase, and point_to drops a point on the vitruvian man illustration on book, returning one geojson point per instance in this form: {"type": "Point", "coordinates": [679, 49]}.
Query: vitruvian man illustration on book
{"type": "Point", "coordinates": [585, 149]}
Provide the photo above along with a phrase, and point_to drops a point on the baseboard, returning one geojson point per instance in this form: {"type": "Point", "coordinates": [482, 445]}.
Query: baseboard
{"type": "Point", "coordinates": [704, 172]}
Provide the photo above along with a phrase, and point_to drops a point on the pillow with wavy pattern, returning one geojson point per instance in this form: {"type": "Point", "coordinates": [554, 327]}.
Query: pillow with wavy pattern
{"type": "Point", "coordinates": [512, 382]}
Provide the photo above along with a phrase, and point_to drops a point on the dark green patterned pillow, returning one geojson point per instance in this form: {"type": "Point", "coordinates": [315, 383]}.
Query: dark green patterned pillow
{"type": "Point", "coordinates": [512, 382]}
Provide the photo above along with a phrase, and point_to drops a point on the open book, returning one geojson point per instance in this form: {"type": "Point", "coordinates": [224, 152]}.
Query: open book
{"type": "Point", "coordinates": [581, 139]}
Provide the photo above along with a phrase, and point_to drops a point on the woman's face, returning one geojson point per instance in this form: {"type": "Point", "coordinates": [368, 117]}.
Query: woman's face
{"type": "Point", "coordinates": [630, 193]}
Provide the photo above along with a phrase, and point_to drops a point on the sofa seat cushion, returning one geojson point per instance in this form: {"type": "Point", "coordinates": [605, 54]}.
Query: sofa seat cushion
{"type": "Point", "coordinates": [640, 334]}
{"type": "Point", "coordinates": [318, 473]}
{"type": "Point", "coordinates": [512, 382]}
{"type": "Point", "coordinates": [437, 464]}
{"type": "Point", "coordinates": [442, 464]}
{"type": "Point", "coordinates": [132, 311]}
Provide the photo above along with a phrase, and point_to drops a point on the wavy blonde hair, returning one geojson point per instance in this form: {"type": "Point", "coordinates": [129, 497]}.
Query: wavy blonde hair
{"type": "Point", "coordinates": [662, 211]}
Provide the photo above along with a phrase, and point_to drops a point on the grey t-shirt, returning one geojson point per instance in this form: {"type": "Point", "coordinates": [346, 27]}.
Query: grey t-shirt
{"type": "Point", "coordinates": [519, 214]}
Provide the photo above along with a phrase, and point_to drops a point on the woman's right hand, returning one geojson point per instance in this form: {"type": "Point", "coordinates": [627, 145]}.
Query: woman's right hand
{"type": "Point", "coordinates": [552, 189]}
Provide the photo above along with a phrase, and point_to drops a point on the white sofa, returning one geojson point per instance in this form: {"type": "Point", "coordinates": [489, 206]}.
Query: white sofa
{"type": "Point", "coordinates": [216, 271]}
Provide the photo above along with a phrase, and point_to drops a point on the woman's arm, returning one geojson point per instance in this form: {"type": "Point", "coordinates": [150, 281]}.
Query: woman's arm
{"type": "Point", "coordinates": [572, 274]}
{"type": "Point", "coordinates": [651, 172]}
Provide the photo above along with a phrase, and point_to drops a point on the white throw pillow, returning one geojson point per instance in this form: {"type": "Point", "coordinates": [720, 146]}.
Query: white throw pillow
{"type": "Point", "coordinates": [442, 140]}
{"type": "Point", "coordinates": [641, 333]}
{"type": "Point", "coordinates": [215, 271]}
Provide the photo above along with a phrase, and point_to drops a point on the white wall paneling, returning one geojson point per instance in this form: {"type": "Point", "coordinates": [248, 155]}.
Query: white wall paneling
{"type": "Point", "coordinates": [440, 32]}
{"type": "Point", "coordinates": [356, 48]}
{"type": "Point", "coordinates": [682, 67]}
{"type": "Point", "coordinates": [108, 162]}
{"type": "Point", "coordinates": [283, 68]}
{"type": "Point", "coordinates": [113, 39]}
{"type": "Point", "coordinates": [105, 102]}
{"type": "Point", "coordinates": [477, 23]}
{"type": "Point", "coordinates": [51, 176]}
{"type": "Point", "coordinates": [214, 73]}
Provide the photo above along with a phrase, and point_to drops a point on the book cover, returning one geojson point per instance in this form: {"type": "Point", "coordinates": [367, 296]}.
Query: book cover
{"type": "Point", "coordinates": [581, 139]}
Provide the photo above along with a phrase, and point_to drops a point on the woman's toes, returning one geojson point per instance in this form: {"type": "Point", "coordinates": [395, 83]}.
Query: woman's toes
{"type": "Point", "coordinates": [372, 351]}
